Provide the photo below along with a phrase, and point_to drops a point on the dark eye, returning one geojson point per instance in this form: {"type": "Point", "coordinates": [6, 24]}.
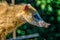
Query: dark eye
{"type": "Point", "coordinates": [36, 16]}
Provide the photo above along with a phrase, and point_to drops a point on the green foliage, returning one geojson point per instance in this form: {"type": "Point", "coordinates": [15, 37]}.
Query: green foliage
{"type": "Point", "coordinates": [58, 12]}
{"type": "Point", "coordinates": [58, 18]}
{"type": "Point", "coordinates": [51, 18]}
{"type": "Point", "coordinates": [49, 8]}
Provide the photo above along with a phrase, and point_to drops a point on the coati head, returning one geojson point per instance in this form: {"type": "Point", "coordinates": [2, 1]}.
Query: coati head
{"type": "Point", "coordinates": [32, 16]}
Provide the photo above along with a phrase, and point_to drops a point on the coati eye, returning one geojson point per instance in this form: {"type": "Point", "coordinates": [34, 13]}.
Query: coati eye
{"type": "Point", "coordinates": [36, 16]}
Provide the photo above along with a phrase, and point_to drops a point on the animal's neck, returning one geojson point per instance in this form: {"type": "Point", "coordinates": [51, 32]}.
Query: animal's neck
{"type": "Point", "coordinates": [10, 20]}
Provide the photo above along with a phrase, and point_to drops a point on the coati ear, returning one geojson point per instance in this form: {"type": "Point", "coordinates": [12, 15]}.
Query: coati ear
{"type": "Point", "coordinates": [26, 7]}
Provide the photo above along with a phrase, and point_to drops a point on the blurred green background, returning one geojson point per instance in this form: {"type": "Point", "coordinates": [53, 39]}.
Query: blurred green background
{"type": "Point", "coordinates": [49, 10]}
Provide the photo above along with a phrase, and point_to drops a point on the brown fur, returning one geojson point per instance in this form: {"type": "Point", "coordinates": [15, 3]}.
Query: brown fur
{"type": "Point", "coordinates": [10, 18]}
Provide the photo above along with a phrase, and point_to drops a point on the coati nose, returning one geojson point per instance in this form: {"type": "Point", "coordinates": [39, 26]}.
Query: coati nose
{"type": "Point", "coordinates": [43, 24]}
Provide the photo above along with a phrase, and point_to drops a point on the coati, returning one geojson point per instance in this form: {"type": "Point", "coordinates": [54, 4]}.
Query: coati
{"type": "Point", "coordinates": [13, 16]}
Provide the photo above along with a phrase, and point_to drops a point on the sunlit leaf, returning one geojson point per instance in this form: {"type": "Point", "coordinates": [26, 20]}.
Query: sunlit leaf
{"type": "Point", "coordinates": [43, 2]}
{"type": "Point", "coordinates": [42, 6]}
{"type": "Point", "coordinates": [58, 2]}
{"type": "Point", "coordinates": [50, 8]}
{"type": "Point", "coordinates": [58, 12]}
{"type": "Point", "coordinates": [18, 31]}
{"type": "Point", "coordinates": [48, 1]}
{"type": "Point", "coordinates": [38, 3]}
{"type": "Point", "coordinates": [58, 18]}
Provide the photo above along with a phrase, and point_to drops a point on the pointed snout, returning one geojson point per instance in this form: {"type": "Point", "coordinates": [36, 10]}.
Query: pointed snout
{"type": "Point", "coordinates": [43, 24]}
